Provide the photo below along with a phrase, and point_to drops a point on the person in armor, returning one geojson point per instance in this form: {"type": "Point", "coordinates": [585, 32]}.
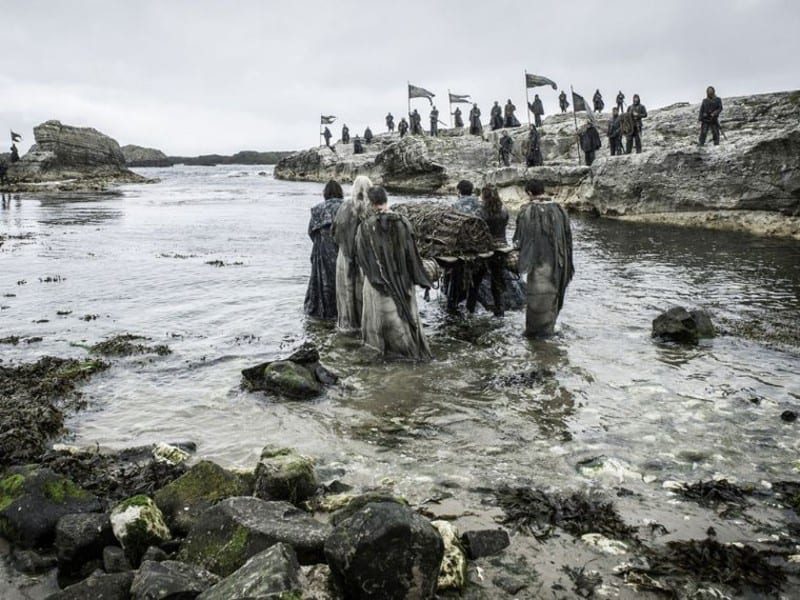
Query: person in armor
{"type": "Point", "coordinates": [562, 101]}
{"type": "Point", "coordinates": [320, 301]}
{"type": "Point", "coordinates": [387, 255]}
{"type": "Point", "coordinates": [459, 121]}
{"type": "Point", "coordinates": [14, 153]}
{"type": "Point", "coordinates": [349, 279]}
{"type": "Point", "coordinates": [496, 216]}
{"type": "Point", "coordinates": [496, 116]}
{"type": "Point", "coordinates": [475, 127]}
{"type": "Point", "coordinates": [508, 113]}
{"type": "Point", "coordinates": [710, 110]}
{"type": "Point", "coordinates": [416, 123]}
{"type": "Point", "coordinates": [327, 135]}
{"type": "Point", "coordinates": [368, 135]}
{"type": "Point", "coordinates": [345, 134]}
{"type": "Point", "coordinates": [632, 127]}
{"type": "Point", "coordinates": [533, 157]}
{"type": "Point", "coordinates": [590, 142]}
{"type": "Point", "coordinates": [434, 121]}
{"type": "Point", "coordinates": [390, 123]}
{"type": "Point", "coordinates": [615, 132]}
{"type": "Point", "coordinates": [597, 100]}
{"type": "Point", "coordinates": [620, 101]}
{"type": "Point", "coordinates": [506, 147]}
{"type": "Point", "coordinates": [358, 148]}
{"type": "Point", "coordinates": [544, 239]}
{"type": "Point", "coordinates": [537, 108]}
{"type": "Point", "coordinates": [402, 127]}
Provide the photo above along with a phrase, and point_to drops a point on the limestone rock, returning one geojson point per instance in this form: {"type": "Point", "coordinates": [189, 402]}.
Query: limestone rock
{"type": "Point", "coordinates": [453, 572]}
{"type": "Point", "coordinates": [138, 524]}
{"type": "Point", "coordinates": [100, 586]}
{"type": "Point", "coordinates": [680, 325]}
{"type": "Point", "coordinates": [282, 474]}
{"type": "Point", "coordinates": [170, 580]}
{"type": "Point", "coordinates": [385, 551]}
{"type": "Point", "coordinates": [139, 156]}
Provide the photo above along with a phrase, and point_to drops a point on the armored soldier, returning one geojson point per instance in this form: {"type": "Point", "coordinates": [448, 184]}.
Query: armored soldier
{"type": "Point", "coordinates": [533, 158]}
{"type": "Point", "coordinates": [345, 134]}
{"type": "Point", "coordinates": [562, 101]}
{"type": "Point", "coordinates": [710, 110]}
{"type": "Point", "coordinates": [620, 101]}
{"type": "Point", "coordinates": [402, 127]}
{"type": "Point", "coordinates": [357, 147]}
{"type": "Point", "coordinates": [475, 127]}
{"type": "Point", "coordinates": [496, 117]}
{"type": "Point", "coordinates": [327, 135]}
{"type": "Point", "coordinates": [615, 132]}
{"type": "Point", "coordinates": [390, 123]}
{"type": "Point", "coordinates": [506, 147]}
{"type": "Point", "coordinates": [434, 121]}
{"type": "Point", "coordinates": [416, 123]}
{"type": "Point", "coordinates": [368, 135]}
{"type": "Point", "coordinates": [537, 108]}
{"type": "Point", "coordinates": [457, 117]}
{"type": "Point", "coordinates": [14, 153]}
{"type": "Point", "coordinates": [508, 113]}
{"type": "Point", "coordinates": [597, 100]}
{"type": "Point", "coordinates": [590, 142]}
{"type": "Point", "coordinates": [633, 126]}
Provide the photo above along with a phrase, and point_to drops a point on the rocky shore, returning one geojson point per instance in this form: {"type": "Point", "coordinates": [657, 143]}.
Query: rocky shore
{"type": "Point", "coordinates": [751, 182]}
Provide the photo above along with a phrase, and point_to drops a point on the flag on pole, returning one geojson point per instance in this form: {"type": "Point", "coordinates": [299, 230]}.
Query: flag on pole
{"type": "Point", "coordinates": [327, 119]}
{"type": "Point", "coordinates": [418, 92]}
{"type": "Point", "coordinates": [15, 137]}
{"type": "Point", "coordinates": [532, 80]}
{"type": "Point", "coordinates": [463, 98]}
{"type": "Point", "coordinates": [578, 103]}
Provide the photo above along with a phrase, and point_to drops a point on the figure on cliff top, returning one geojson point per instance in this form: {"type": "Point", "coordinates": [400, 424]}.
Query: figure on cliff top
{"type": "Point", "coordinates": [590, 142]}
{"type": "Point", "coordinates": [458, 119]}
{"type": "Point", "coordinates": [533, 157]}
{"type": "Point", "coordinates": [402, 127]}
{"type": "Point", "coordinates": [475, 127]}
{"type": "Point", "coordinates": [597, 100]}
{"type": "Point", "coordinates": [562, 101]}
{"type": "Point", "coordinates": [358, 148]}
{"type": "Point", "coordinates": [345, 134]}
{"type": "Point", "coordinates": [506, 146]}
{"type": "Point", "coordinates": [510, 117]}
{"type": "Point", "coordinates": [14, 153]}
{"type": "Point", "coordinates": [615, 132]}
{"type": "Point", "coordinates": [537, 108]}
{"type": "Point", "coordinates": [434, 117]}
{"type": "Point", "coordinates": [416, 122]}
{"type": "Point", "coordinates": [632, 125]}
{"type": "Point", "coordinates": [496, 117]}
{"type": "Point", "coordinates": [320, 299]}
{"type": "Point", "coordinates": [327, 135]}
{"type": "Point", "coordinates": [620, 101]}
{"type": "Point", "coordinates": [3, 170]}
{"type": "Point", "coordinates": [710, 109]}
{"type": "Point", "coordinates": [390, 123]}
{"type": "Point", "coordinates": [368, 135]}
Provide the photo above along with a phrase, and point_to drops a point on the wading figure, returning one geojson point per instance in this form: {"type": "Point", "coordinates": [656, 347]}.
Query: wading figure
{"type": "Point", "coordinates": [496, 116]}
{"type": "Point", "coordinates": [496, 217]}
{"type": "Point", "coordinates": [434, 121]}
{"type": "Point", "coordinates": [458, 120]}
{"type": "Point", "coordinates": [402, 127]}
{"type": "Point", "coordinates": [508, 113]}
{"type": "Point", "coordinates": [710, 110]}
{"type": "Point", "coordinates": [597, 100]}
{"type": "Point", "coordinates": [562, 101]}
{"type": "Point", "coordinates": [327, 135]}
{"type": "Point", "coordinates": [388, 256]}
{"type": "Point", "coordinates": [460, 278]}
{"type": "Point", "coordinates": [368, 135]}
{"type": "Point", "coordinates": [475, 127]}
{"type": "Point", "coordinates": [537, 108]}
{"type": "Point", "coordinates": [349, 280]}
{"type": "Point", "coordinates": [320, 299]}
{"type": "Point", "coordinates": [390, 123]}
{"type": "Point", "coordinates": [345, 134]}
{"type": "Point", "coordinates": [533, 157]}
{"type": "Point", "coordinates": [544, 239]}
{"type": "Point", "coordinates": [632, 127]}
{"type": "Point", "coordinates": [615, 132]}
{"type": "Point", "coordinates": [506, 147]}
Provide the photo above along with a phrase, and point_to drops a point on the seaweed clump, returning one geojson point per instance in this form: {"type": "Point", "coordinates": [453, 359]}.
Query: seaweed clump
{"type": "Point", "coordinates": [125, 345]}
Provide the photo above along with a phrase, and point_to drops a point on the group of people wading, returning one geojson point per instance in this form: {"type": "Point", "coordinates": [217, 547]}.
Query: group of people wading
{"type": "Point", "coordinates": [365, 264]}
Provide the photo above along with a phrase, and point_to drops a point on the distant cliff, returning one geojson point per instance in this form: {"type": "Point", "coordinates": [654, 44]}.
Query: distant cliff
{"type": "Point", "coordinates": [245, 157]}
{"type": "Point", "coordinates": [750, 182]}
{"type": "Point", "coordinates": [138, 156]}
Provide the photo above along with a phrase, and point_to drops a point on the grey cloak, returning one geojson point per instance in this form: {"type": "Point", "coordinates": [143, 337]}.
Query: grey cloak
{"type": "Point", "coordinates": [349, 280]}
{"type": "Point", "coordinates": [320, 299]}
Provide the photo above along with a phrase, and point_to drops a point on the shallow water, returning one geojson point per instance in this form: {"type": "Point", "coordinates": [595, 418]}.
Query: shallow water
{"type": "Point", "coordinates": [138, 260]}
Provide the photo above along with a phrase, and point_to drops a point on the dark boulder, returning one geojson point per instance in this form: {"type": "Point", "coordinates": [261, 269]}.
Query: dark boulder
{"type": "Point", "coordinates": [385, 551]}
{"type": "Point", "coordinates": [283, 474]}
{"type": "Point", "coordinates": [100, 586]}
{"type": "Point", "coordinates": [298, 376]}
{"type": "Point", "coordinates": [80, 539]}
{"type": "Point", "coordinates": [114, 560]}
{"type": "Point", "coordinates": [32, 563]}
{"type": "Point", "coordinates": [484, 542]}
{"type": "Point", "coordinates": [170, 580]}
{"type": "Point", "coordinates": [681, 325]}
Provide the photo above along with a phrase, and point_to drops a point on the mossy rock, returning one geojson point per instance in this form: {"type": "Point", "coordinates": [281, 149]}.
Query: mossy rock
{"type": "Point", "coordinates": [138, 524]}
{"type": "Point", "coordinates": [202, 486]}
{"type": "Point", "coordinates": [291, 379]}
{"type": "Point", "coordinates": [282, 474]}
{"type": "Point", "coordinates": [453, 571]}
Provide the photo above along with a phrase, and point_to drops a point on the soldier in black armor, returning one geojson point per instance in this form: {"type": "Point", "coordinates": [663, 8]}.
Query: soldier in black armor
{"type": "Point", "coordinates": [496, 117]}
{"type": "Point", "coordinates": [14, 153]}
{"type": "Point", "coordinates": [390, 123]}
{"type": "Point", "coordinates": [416, 123]}
{"type": "Point", "coordinates": [533, 157]}
{"type": "Point", "coordinates": [506, 147]}
{"type": "Point", "coordinates": [327, 135]}
{"type": "Point", "coordinates": [357, 147]}
{"type": "Point", "coordinates": [562, 101]}
{"type": "Point", "coordinates": [710, 110]}
{"type": "Point", "coordinates": [402, 127]}
{"type": "Point", "coordinates": [475, 127]}
{"type": "Point", "coordinates": [597, 100]}
{"type": "Point", "coordinates": [345, 134]}
{"type": "Point", "coordinates": [508, 113]}
{"type": "Point", "coordinates": [615, 132]}
{"type": "Point", "coordinates": [637, 112]}
{"type": "Point", "coordinates": [537, 108]}
{"type": "Point", "coordinates": [368, 135]}
{"type": "Point", "coordinates": [620, 101]}
{"type": "Point", "coordinates": [434, 121]}
{"type": "Point", "coordinates": [590, 142]}
{"type": "Point", "coordinates": [459, 121]}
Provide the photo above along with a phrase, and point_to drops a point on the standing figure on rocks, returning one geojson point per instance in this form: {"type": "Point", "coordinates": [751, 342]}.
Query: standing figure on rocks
{"type": "Point", "coordinates": [537, 108]}
{"type": "Point", "coordinates": [533, 157]}
{"type": "Point", "coordinates": [349, 279]}
{"type": "Point", "coordinates": [615, 132]}
{"type": "Point", "coordinates": [506, 147]}
{"type": "Point", "coordinates": [3, 170]}
{"type": "Point", "coordinates": [416, 123]}
{"type": "Point", "coordinates": [402, 127]}
{"type": "Point", "coordinates": [390, 123]}
{"type": "Point", "coordinates": [496, 116]}
{"type": "Point", "coordinates": [358, 148]}
{"type": "Point", "coordinates": [544, 239]}
{"type": "Point", "coordinates": [620, 101]}
{"type": "Point", "coordinates": [327, 135]}
{"type": "Point", "coordinates": [508, 112]}
{"type": "Point", "coordinates": [434, 121]}
{"type": "Point", "coordinates": [710, 110]}
{"type": "Point", "coordinates": [496, 217]}
{"type": "Point", "coordinates": [637, 112]}
{"type": "Point", "coordinates": [388, 256]}
{"type": "Point", "coordinates": [562, 101]}
{"type": "Point", "coordinates": [345, 134]}
{"type": "Point", "coordinates": [14, 153]}
{"type": "Point", "coordinates": [368, 135]}
{"type": "Point", "coordinates": [457, 118]}
{"type": "Point", "coordinates": [597, 100]}
{"type": "Point", "coordinates": [475, 127]}
{"type": "Point", "coordinates": [590, 142]}
{"type": "Point", "coordinates": [320, 299]}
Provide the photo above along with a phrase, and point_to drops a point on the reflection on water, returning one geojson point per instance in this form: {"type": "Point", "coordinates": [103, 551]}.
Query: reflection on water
{"type": "Point", "coordinates": [492, 407]}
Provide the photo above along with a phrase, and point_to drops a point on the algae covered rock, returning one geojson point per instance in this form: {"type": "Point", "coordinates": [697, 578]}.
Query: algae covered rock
{"type": "Point", "coordinates": [299, 376]}
{"type": "Point", "coordinates": [282, 474]}
{"type": "Point", "coordinates": [100, 586]}
{"type": "Point", "coordinates": [681, 325]}
{"type": "Point", "coordinates": [32, 502]}
{"type": "Point", "coordinates": [80, 540]}
{"type": "Point", "coordinates": [202, 486]}
{"type": "Point", "coordinates": [453, 572]}
{"type": "Point", "coordinates": [138, 524]}
{"type": "Point", "coordinates": [170, 580]}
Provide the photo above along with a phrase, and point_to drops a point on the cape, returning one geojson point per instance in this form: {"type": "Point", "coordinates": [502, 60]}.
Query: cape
{"type": "Point", "coordinates": [323, 214]}
{"type": "Point", "coordinates": [344, 228]}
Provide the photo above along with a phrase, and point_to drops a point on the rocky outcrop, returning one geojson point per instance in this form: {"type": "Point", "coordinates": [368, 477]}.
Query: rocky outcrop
{"type": "Point", "coordinates": [139, 156]}
{"type": "Point", "coordinates": [755, 171]}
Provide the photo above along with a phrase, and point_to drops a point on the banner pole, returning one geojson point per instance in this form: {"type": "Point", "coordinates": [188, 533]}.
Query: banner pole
{"type": "Point", "coordinates": [575, 117]}
{"type": "Point", "coordinates": [450, 109]}
{"type": "Point", "coordinates": [527, 100]}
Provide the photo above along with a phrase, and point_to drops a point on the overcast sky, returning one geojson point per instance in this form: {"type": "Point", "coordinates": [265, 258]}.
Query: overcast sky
{"type": "Point", "coordinates": [200, 76]}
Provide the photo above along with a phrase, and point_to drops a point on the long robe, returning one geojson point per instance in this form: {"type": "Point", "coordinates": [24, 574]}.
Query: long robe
{"type": "Point", "coordinates": [544, 239]}
{"type": "Point", "coordinates": [349, 280]}
{"type": "Point", "coordinates": [320, 299]}
{"type": "Point", "coordinates": [388, 256]}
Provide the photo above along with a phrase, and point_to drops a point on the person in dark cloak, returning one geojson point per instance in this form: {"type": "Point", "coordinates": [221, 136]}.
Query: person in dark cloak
{"type": "Point", "coordinates": [402, 127]}
{"type": "Point", "coordinates": [416, 123]}
{"type": "Point", "coordinates": [562, 101]}
{"type": "Point", "coordinates": [434, 121]}
{"type": "Point", "coordinates": [345, 134]}
{"type": "Point", "coordinates": [620, 101]}
{"type": "Point", "coordinates": [710, 109]}
{"type": "Point", "coordinates": [615, 132]}
{"type": "Point", "coordinates": [496, 116]}
{"type": "Point", "coordinates": [544, 239]}
{"type": "Point", "coordinates": [358, 147]}
{"type": "Point", "coordinates": [506, 146]}
{"type": "Point", "coordinates": [327, 135]}
{"type": "Point", "coordinates": [590, 142]}
{"type": "Point", "coordinates": [388, 257]}
{"type": "Point", "coordinates": [390, 123]}
{"type": "Point", "coordinates": [633, 135]}
{"type": "Point", "coordinates": [458, 119]}
{"type": "Point", "coordinates": [537, 108]}
{"type": "Point", "coordinates": [475, 127]}
{"type": "Point", "coordinates": [368, 135]}
{"type": "Point", "coordinates": [320, 301]}
{"type": "Point", "coordinates": [496, 216]}
{"type": "Point", "coordinates": [533, 157]}
{"type": "Point", "coordinates": [508, 113]}
{"type": "Point", "coordinates": [3, 171]}
{"type": "Point", "coordinates": [456, 279]}
{"type": "Point", "coordinates": [597, 100]}
{"type": "Point", "coordinates": [349, 279]}
{"type": "Point", "coordinates": [14, 153]}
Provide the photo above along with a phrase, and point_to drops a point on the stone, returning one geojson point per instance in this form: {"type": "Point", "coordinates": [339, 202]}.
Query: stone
{"type": "Point", "coordinates": [298, 376]}
{"type": "Point", "coordinates": [453, 571]}
{"type": "Point", "coordinates": [681, 325]}
{"type": "Point", "coordinates": [98, 586]}
{"type": "Point", "coordinates": [32, 563]}
{"type": "Point", "coordinates": [385, 551]}
{"type": "Point", "coordinates": [154, 554]}
{"type": "Point", "coordinates": [235, 529]}
{"type": "Point", "coordinates": [282, 474]}
{"type": "Point", "coordinates": [115, 561]}
{"type": "Point", "coordinates": [485, 542]}
{"type": "Point", "coordinates": [789, 416]}
{"type": "Point", "coordinates": [346, 505]}
{"type": "Point", "coordinates": [168, 453]}
{"type": "Point", "coordinates": [170, 580]}
{"type": "Point", "coordinates": [202, 486]}
{"type": "Point", "coordinates": [32, 502]}
{"type": "Point", "coordinates": [81, 538]}
{"type": "Point", "coordinates": [138, 524]}
{"type": "Point", "coordinates": [272, 572]}
{"type": "Point", "coordinates": [139, 156]}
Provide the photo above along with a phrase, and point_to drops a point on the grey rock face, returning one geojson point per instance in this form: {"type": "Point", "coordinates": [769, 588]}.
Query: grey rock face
{"type": "Point", "coordinates": [80, 538]}
{"type": "Point", "coordinates": [114, 560]}
{"type": "Point", "coordinates": [681, 325]}
{"type": "Point", "coordinates": [484, 542]}
{"type": "Point", "coordinates": [139, 156]}
{"type": "Point", "coordinates": [170, 580]}
{"type": "Point", "coordinates": [99, 586]}
{"type": "Point", "coordinates": [283, 474]}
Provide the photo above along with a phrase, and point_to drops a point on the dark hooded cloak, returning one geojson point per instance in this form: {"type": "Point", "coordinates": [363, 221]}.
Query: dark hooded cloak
{"type": "Point", "coordinates": [320, 299]}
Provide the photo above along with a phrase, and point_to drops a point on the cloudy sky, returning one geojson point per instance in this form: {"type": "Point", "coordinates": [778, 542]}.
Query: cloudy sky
{"type": "Point", "coordinates": [202, 76]}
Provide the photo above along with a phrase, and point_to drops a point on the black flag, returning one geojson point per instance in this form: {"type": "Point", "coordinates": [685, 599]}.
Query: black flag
{"type": "Point", "coordinates": [578, 103]}
{"type": "Point", "coordinates": [463, 98]}
{"type": "Point", "coordinates": [16, 137]}
{"type": "Point", "coordinates": [532, 80]}
{"type": "Point", "coordinates": [327, 119]}
{"type": "Point", "coordinates": [418, 92]}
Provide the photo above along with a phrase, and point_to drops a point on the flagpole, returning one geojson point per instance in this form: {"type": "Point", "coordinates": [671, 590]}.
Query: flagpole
{"type": "Point", "coordinates": [450, 110]}
{"type": "Point", "coordinates": [408, 93]}
{"type": "Point", "coordinates": [320, 130]}
{"type": "Point", "coordinates": [574, 116]}
{"type": "Point", "coordinates": [527, 100]}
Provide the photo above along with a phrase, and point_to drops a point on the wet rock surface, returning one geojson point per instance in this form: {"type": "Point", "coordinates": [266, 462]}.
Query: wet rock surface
{"type": "Point", "coordinates": [170, 580]}
{"type": "Point", "coordinates": [81, 539]}
{"type": "Point", "coordinates": [681, 325]}
{"type": "Point", "coordinates": [137, 525]}
{"type": "Point", "coordinates": [128, 345]}
{"type": "Point", "coordinates": [298, 376]}
{"type": "Point", "coordinates": [99, 585]}
{"type": "Point", "coordinates": [282, 474]}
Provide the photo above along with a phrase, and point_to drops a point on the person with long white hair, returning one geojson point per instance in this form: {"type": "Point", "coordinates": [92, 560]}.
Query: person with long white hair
{"type": "Point", "coordinates": [349, 279]}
